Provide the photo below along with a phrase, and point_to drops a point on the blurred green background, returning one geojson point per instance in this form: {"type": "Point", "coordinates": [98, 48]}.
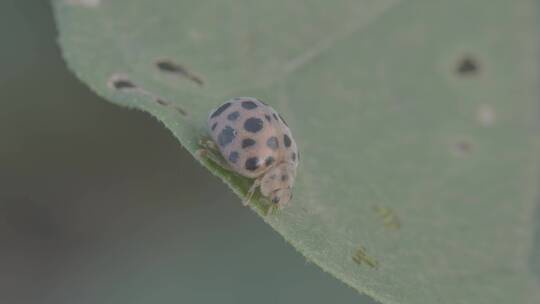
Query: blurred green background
{"type": "Point", "coordinates": [99, 204]}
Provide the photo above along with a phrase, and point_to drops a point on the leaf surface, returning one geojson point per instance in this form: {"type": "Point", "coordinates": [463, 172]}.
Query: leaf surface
{"type": "Point", "coordinates": [416, 122]}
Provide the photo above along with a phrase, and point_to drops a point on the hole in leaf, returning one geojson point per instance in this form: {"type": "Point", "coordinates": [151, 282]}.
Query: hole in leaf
{"type": "Point", "coordinates": [162, 102]}
{"type": "Point", "coordinates": [169, 66]}
{"type": "Point", "coordinates": [121, 82]}
{"type": "Point", "coordinates": [165, 103]}
{"type": "Point", "coordinates": [467, 66]}
{"type": "Point", "coordinates": [180, 110]}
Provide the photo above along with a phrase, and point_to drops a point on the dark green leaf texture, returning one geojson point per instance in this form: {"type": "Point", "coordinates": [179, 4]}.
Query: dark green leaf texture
{"type": "Point", "coordinates": [416, 121]}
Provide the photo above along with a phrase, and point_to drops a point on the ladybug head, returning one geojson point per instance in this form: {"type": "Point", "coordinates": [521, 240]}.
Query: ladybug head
{"type": "Point", "coordinates": [277, 183]}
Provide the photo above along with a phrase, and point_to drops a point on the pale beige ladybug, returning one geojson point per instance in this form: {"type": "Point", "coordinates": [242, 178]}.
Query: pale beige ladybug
{"type": "Point", "coordinates": [256, 142]}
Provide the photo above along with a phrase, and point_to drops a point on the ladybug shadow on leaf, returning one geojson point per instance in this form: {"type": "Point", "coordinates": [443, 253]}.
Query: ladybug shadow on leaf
{"type": "Point", "coordinates": [209, 155]}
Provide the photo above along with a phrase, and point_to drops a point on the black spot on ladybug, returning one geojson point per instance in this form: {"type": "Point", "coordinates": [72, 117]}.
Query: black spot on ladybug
{"type": "Point", "coordinates": [287, 140]}
{"type": "Point", "coordinates": [252, 164]}
{"type": "Point", "coordinates": [275, 200]}
{"type": "Point", "coordinates": [233, 157]}
{"type": "Point", "coordinates": [283, 120]}
{"type": "Point", "coordinates": [220, 110]}
{"type": "Point", "coordinates": [226, 136]}
{"type": "Point", "coordinates": [214, 126]}
{"type": "Point", "coordinates": [253, 124]}
{"type": "Point", "coordinates": [293, 156]}
{"type": "Point", "coordinates": [248, 142]}
{"type": "Point", "coordinates": [268, 161]}
{"type": "Point", "coordinates": [248, 105]}
{"type": "Point", "coordinates": [268, 118]}
{"type": "Point", "coordinates": [233, 116]}
{"type": "Point", "coordinates": [284, 177]}
{"type": "Point", "coordinates": [272, 143]}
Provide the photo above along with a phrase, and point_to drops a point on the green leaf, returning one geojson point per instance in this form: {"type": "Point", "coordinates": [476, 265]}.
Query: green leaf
{"type": "Point", "coordinates": [416, 121]}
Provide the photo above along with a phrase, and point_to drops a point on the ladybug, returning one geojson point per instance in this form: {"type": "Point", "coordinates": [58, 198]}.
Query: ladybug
{"type": "Point", "coordinates": [256, 142]}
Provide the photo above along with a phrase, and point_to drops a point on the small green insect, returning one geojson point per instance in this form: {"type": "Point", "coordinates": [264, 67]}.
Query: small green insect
{"type": "Point", "coordinates": [255, 142]}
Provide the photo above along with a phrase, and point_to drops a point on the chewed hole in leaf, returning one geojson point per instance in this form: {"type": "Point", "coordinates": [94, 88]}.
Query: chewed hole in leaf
{"type": "Point", "coordinates": [467, 66]}
{"type": "Point", "coordinates": [162, 102]}
{"type": "Point", "coordinates": [165, 103]}
{"type": "Point", "coordinates": [169, 66]}
{"type": "Point", "coordinates": [121, 82]}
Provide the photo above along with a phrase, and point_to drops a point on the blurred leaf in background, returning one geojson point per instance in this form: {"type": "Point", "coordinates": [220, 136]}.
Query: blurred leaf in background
{"type": "Point", "coordinates": [417, 122]}
{"type": "Point", "coordinates": [101, 205]}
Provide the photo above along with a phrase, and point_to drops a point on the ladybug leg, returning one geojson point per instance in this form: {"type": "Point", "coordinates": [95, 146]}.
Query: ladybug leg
{"type": "Point", "coordinates": [210, 151]}
{"type": "Point", "coordinates": [251, 191]}
{"type": "Point", "coordinates": [208, 143]}
{"type": "Point", "coordinates": [271, 209]}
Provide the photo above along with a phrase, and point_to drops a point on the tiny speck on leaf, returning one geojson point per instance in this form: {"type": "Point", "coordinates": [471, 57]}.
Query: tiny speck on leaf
{"type": "Point", "coordinates": [486, 115]}
{"type": "Point", "coordinates": [180, 110]}
{"type": "Point", "coordinates": [360, 257]}
{"type": "Point", "coordinates": [389, 218]}
{"type": "Point", "coordinates": [462, 147]}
